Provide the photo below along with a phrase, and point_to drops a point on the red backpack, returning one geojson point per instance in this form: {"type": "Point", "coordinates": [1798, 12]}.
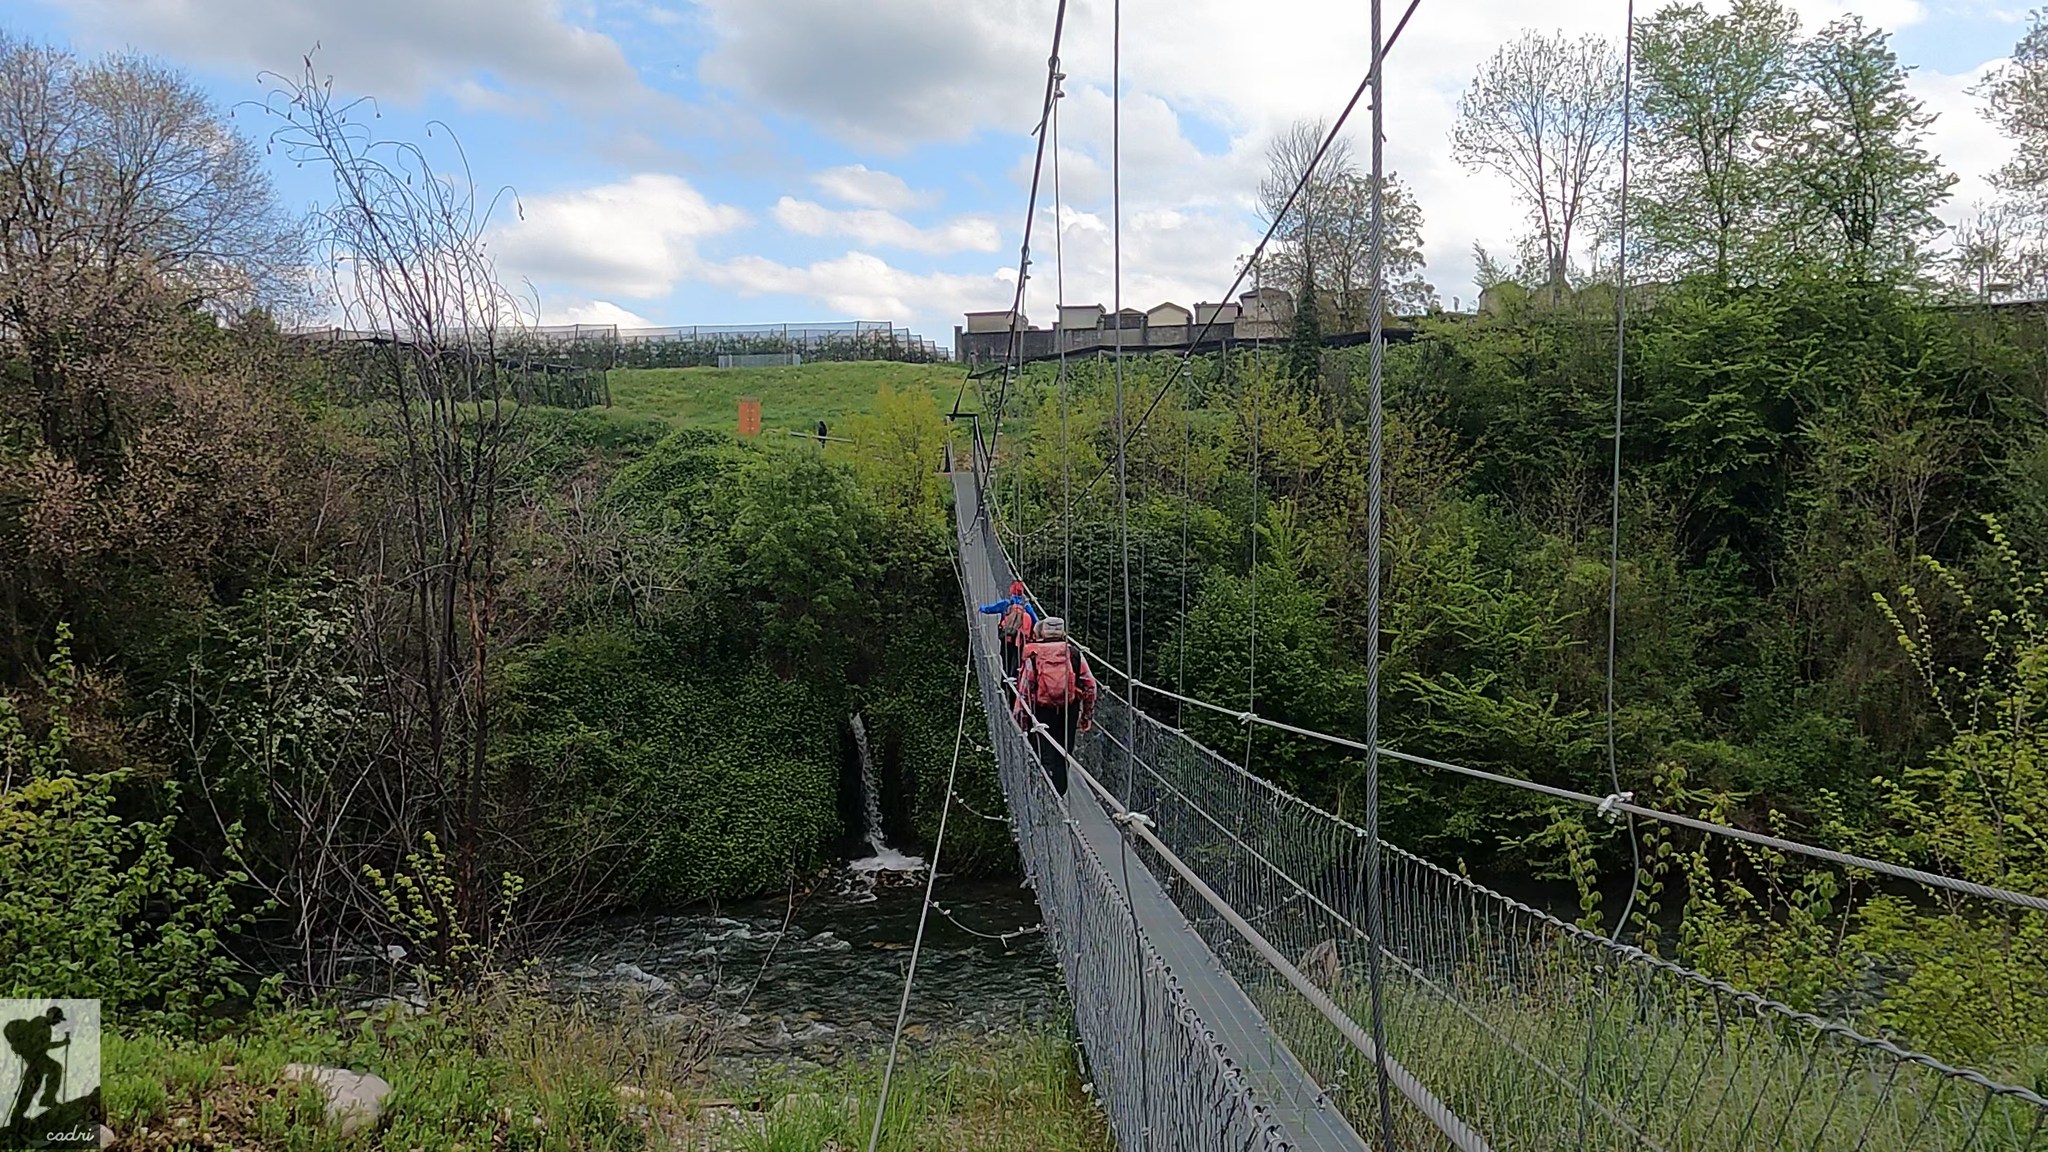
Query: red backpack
{"type": "Point", "coordinates": [1015, 626]}
{"type": "Point", "coordinates": [1054, 681]}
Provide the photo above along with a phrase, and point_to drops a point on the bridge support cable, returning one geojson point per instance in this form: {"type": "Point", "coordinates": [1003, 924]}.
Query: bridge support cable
{"type": "Point", "coordinates": [1635, 859]}
{"type": "Point", "coordinates": [1613, 804]}
{"type": "Point", "coordinates": [1489, 1001]}
{"type": "Point", "coordinates": [931, 881]}
{"type": "Point", "coordinates": [1371, 879]}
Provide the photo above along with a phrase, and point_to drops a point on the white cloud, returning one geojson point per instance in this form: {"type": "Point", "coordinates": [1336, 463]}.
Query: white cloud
{"type": "Point", "coordinates": [592, 312]}
{"type": "Point", "coordinates": [398, 49]}
{"type": "Point", "coordinates": [886, 73]}
{"type": "Point", "coordinates": [876, 228]}
{"type": "Point", "coordinates": [866, 287]}
{"type": "Point", "coordinates": [865, 187]}
{"type": "Point", "coordinates": [1889, 14]}
{"type": "Point", "coordinates": [1968, 144]}
{"type": "Point", "coordinates": [635, 238]}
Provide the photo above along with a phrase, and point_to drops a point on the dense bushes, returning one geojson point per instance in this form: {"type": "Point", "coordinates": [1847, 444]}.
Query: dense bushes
{"type": "Point", "coordinates": [97, 903]}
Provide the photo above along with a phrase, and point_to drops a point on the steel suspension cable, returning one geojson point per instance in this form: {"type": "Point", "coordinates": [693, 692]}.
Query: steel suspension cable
{"type": "Point", "coordinates": [1628, 74]}
{"type": "Point", "coordinates": [1252, 662]}
{"type": "Point", "coordinates": [1123, 494]}
{"type": "Point", "coordinates": [931, 880]}
{"type": "Point", "coordinates": [1375, 921]}
{"type": "Point", "coordinates": [1013, 356]}
{"type": "Point", "coordinates": [1635, 859]}
{"type": "Point", "coordinates": [1059, 267]}
{"type": "Point", "coordinates": [1616, 804]}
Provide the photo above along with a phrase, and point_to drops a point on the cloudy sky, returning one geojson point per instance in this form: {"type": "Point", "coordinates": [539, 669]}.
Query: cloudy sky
{"type": "Point", "coordinates": [740, 161]}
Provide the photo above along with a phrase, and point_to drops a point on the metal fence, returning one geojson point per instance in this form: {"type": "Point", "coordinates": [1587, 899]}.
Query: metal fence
{"type": "Point", "coordinates": [690, 346]}
{"type": "Point", "coordinates": [700, 345]}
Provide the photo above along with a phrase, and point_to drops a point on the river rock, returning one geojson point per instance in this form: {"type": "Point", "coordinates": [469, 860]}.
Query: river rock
{"type": "Point", "coordinates": [106, 1136]}
{"type": "Point", "coordinates": [654, 984]}
{"type": "Point", "coordinates": [355, 1100]}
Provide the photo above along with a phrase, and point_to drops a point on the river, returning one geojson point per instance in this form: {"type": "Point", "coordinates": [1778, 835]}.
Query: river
{"type": "Point", "coordinates": [829, 984]}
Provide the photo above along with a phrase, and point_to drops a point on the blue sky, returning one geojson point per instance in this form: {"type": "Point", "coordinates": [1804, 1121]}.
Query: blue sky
{"type": "Point", "coordinates": [740, 161]}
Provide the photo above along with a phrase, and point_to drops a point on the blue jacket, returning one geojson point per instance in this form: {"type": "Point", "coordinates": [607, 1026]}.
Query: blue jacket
{"type": "Point", "coordinates": [1003, 605]}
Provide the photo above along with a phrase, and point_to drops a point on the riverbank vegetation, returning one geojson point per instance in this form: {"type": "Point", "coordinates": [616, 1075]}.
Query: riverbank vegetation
{"type": "Point", "coordinates": [306, 644]}
{"type": "Point", "coordinates": [513, 1072]}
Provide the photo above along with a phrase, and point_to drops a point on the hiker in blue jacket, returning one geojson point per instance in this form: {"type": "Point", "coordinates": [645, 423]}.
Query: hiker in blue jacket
{"type": "Point", "coordinates": [1014, 629]}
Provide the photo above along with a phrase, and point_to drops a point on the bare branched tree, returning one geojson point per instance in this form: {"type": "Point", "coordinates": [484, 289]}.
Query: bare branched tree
{"type": "Point", "coordinates": [404, 246]}
{"type": "Point", "coordinates": [1996, 254]}
{"type": "Point", "coordinates": [126, 202]}
{"type": "Point", "coordinates": [1545, 112]}
{"type": "Point", "coordinates": [1327, 234]}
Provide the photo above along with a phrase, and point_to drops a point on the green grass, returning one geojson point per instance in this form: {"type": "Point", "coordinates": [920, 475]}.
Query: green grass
{"type": "Point", "coordinates": [515, 1072]}
{"type": "Point", "coordinates": [791, 398]}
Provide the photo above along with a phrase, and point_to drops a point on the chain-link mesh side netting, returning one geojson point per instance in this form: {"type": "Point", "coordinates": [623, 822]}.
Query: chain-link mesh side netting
{"type": "Point", "coordinates": [1159, 1073]}
{"type": "Point", "coordinates": [1535, 1032]}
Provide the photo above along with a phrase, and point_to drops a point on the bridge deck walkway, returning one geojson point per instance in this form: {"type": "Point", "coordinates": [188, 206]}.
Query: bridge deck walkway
{"type": "Point", "coordinates": [1310, 1120]}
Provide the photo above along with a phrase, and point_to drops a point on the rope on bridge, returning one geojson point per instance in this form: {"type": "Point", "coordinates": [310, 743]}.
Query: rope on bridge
{"type": "Point", "coordinates": [1619, 803]}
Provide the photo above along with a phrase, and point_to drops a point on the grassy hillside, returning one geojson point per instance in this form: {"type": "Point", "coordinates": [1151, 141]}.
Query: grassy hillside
{"type": "Point", "coordinates": [794, 398]}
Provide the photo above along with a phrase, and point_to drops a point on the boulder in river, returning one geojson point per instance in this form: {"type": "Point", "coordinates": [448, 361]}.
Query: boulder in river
{"type": "Point", "coordinates": [655, 985]}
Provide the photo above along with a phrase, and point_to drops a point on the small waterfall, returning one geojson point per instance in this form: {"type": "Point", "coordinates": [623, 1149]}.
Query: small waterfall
{"type": "Point", "coordinates": [885, 858]}
{"type": "Point", "coordinates": [870, 786]}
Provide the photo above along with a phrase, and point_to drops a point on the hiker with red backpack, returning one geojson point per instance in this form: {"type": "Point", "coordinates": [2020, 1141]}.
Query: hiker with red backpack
{"type": "Point", "coordinates": [1055, 688]}
{"type": "Point", "coordinates": [1014, 629]}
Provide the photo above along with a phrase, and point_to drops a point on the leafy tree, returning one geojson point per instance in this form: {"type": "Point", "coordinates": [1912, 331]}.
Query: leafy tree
{"type": "Point", "coordinates": [1714, 94]}
{"type": "Point", "coordinates": [1870, 185]}
{"type": "Point", "coordinates": [126, 199]}
{"type": "Point", "coordinates": [897, 450]}
{"type": "Point", "coordinates": [2016, 99]}
{"type": "Point", "coordinates": [1295, 677]}
{"type": "Point", "coordinates": [1305, 340]}
{"type": "Point", "coordinates": [1545, 113]}
{"type": "Point", "coordinates": [1326, 237]}
{"type": "Point", "coordinates": [805, 543]}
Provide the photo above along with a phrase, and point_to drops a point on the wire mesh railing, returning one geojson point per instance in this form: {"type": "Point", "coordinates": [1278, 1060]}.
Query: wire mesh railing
{"type": "Point", "coordinates": [1536, 1032]}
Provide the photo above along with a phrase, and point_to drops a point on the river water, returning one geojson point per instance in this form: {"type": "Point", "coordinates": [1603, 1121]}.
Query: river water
{"type": "Point", "coordinates": [828, 984]}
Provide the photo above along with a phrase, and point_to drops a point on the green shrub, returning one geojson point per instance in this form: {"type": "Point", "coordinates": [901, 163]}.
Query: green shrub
{"type": "Point", "coordinates": [96, 904]}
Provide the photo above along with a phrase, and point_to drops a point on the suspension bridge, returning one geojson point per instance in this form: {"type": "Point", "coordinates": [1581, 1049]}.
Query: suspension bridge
{"type": "Point", "coordinates": [1248, 971]}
